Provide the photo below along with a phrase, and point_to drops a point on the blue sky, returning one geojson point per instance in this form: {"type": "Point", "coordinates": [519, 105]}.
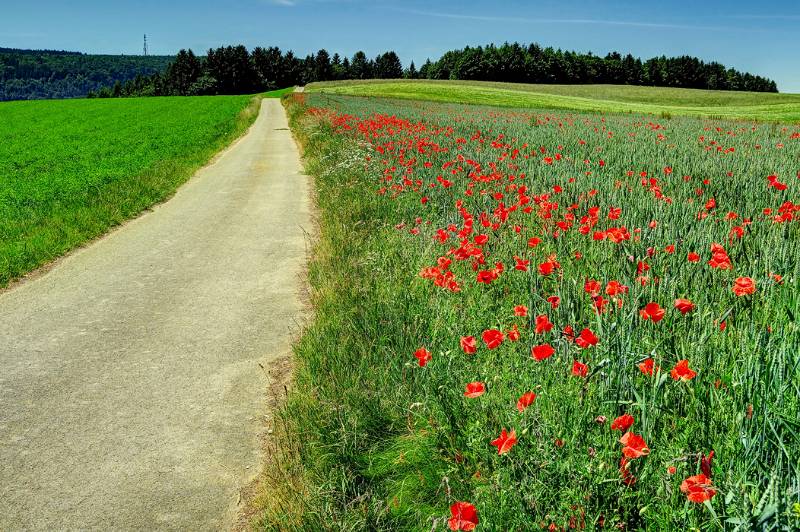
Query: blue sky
{"type": "Point", "coordinates": [760, 37]}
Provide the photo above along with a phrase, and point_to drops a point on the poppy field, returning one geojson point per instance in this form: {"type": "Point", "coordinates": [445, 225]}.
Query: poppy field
{"type": "Point", "coordinates": [531, 319]}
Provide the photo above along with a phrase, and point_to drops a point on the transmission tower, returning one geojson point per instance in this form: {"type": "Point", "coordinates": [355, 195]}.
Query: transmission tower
{"type": "Point", "coordinates": [145, 44]}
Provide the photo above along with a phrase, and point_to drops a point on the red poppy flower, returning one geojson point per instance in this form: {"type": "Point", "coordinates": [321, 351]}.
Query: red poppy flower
{"type": "Point", "coordinates": [423, 356]}
{"type": "Point", "coordinates": [743, 286]}
{"type": "Point", "coordinates": [546, 268]}
{"type": "Point", "coordinates": [684, 306]}
{"type": "Point", "coordinates": [591, 287]}
{"type": "Point", "coordinates": [647, 366]}
{"type": "Point", "coordinates": [719, 258]}
{"type": "Point", "coordinates": [525, 401]}
{"type": "Point", "coordinates": [614, 288]}
{"type": "Point", "coordinates": [633, 445]}
{"type": "Point", "coordinates": [705, 463]}
{"type": "Point", "coordinates": [549, 266]}
{"type": "Point", "coordinates": [492, 338]}
{"type": "Point", "coordinates": [682, 372]}
{"type": "Point", "coordinates": [463, 516]}
{"type": "Point", "coordinates": [652, 312]}
{"type": "Point", "coordinates": [554, 301]}
{"type": "Point", "coordinates": [541, 352]}
{"type": "Point", "coordinates": [579, 369]}
{"type": "Point", "coordinates": [469, 345]}
{"type": "Point", "coordinates": [475, 389]}
{"type": "Point", "coordinates": [698, 488]}
{"type": "Point", "coordinates": [486, 276]}
{"type": "Point", "coordinates": [586, 339]}
{"type": "Point", "coordinates": [543, 324]}
{"type": "Point", "coordinates": [600, 304]}
{"type": "Point", "coordinates": [520, 310]}
{"type": "Point", "coordinates": [625, 473]}
{"type": "Point", "coordinates": [505, 441]}
{"type": "Point", "coordinates": [623, 422]}
{"type": "Point", "coordinates": [693, 257]}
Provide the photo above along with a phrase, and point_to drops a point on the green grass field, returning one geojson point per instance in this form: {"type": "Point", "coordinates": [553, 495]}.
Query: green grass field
{"type": "Point", "coordinates": [595, 98]}
{"type": "Point", "coordinates": [638, 275]}
{"type": "Point", "coordinates": [71, 169]}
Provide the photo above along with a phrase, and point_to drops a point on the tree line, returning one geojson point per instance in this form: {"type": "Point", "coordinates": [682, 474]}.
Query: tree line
{"type": "Point", "coordinates": [535, 64]}
{"type": "Point", "coordinates": [236, 70]}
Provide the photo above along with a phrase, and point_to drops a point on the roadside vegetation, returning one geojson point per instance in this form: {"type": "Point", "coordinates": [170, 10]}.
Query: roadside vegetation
{"type": "Point", "coordinates": [543, 320]}
{"type": "Point", "coordinates": [657, 101]}
{"type": "Point", "coordinates": [71, 169]}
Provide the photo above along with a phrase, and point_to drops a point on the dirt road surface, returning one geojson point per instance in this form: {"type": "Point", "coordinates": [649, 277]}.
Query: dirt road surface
{"type": "Point", "coordinates": [131, 395]}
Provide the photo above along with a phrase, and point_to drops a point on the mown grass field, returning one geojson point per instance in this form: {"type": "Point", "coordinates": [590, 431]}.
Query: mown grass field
{"type": "Point", "coordinates": [71, 169]}
{"type": "Point", "coordinates": [534, 320]}
{"type": "Point", "coordinates": [593, 98]}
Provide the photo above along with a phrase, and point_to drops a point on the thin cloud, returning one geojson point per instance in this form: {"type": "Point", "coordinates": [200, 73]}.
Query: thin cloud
{"type": "Point", "coordinates": [764, 17]}
{"type": "Point", "coordinates": [526, 20]}
{"type": "Point", "coordinates": [293, 3]}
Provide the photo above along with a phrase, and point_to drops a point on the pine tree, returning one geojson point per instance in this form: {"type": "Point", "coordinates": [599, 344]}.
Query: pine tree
{"type": "Point", "coordinates": [322, 66]}
{"type": "Point", "coordinates": [411, 72]}
{"type": "Point", "coordinates": [360, 66]}
{"type": "Point", "coordinates": [388, 66]}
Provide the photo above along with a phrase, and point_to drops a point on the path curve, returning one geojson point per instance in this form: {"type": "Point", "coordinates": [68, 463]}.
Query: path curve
{"type": "Point", "coordinates": [130, 389]}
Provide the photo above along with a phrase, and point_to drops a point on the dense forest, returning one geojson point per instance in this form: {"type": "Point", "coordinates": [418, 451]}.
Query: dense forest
{"type": "Point", "coordinates": [42, 74]}
{"type": "Point", "coordinates": [235, 70]}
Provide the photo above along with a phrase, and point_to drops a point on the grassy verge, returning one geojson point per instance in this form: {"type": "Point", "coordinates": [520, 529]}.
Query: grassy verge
{"type": "Point", "coordinates": [278, 93]}
{"type": "Point", "coordinates": [339, 437]}
{"type": "Point", "coordinates": [72, 169]}
{"type": "Point", "coordinates": [372, 440]}
{"type": "Point", "coordinates": [593, 98]}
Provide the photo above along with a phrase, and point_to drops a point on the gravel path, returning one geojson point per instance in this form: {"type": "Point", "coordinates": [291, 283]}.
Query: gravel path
{"type": "Point", "coordinates": [131, 395]}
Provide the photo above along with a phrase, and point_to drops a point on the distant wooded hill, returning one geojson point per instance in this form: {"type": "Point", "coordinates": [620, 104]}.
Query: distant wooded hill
{"type": "Point", "coordinates": [44, 74]}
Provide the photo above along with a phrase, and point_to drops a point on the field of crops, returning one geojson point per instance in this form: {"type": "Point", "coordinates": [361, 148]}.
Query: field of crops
{"type": "Point", "coordinates": [536, 319]}
{"type": "Point", "coordinates": [595, 98]}
{"type": "Point", "coordinates": [69, 170]}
